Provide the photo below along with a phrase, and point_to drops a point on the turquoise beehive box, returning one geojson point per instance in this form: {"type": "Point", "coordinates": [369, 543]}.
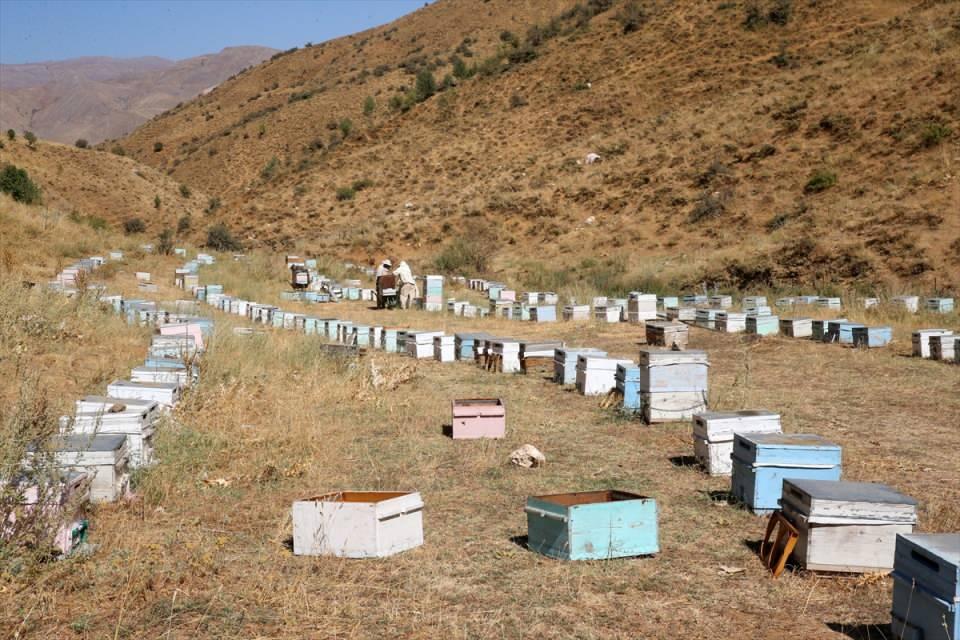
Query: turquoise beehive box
{"type": "Point", "coordinates": [872, 336]}
{"type": "Point", "coordinates": [592, 525]}
{"type": "Point", "coordinates": [763, 325]}
{"type": "Point", "coordinates": [761, 462]}
{"type": "Point", "coordinates": [628, 385]}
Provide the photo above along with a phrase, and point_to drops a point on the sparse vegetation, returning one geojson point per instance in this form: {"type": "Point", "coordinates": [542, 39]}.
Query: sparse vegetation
{"type": "Point", "coordinates": [81, 143]}
{"type": "Point", "coordinates": [134, 225]}
{"type": "Point", "coordinates": [369, 104]}
{"type": "Point", "coordinates": [220, 238]}
{"type": "Point", "coordinates": [157, 202]}
{"type": "Point", "coordinates": [632, 17]}
{"type": "Point", "coordinates": [17, 183]}
{"type": "Point", "coordinates": [360, 185]}
{"type": "Point", "coordinates": [820, 180]}
{"type": "Point", "coordinates": [270, 169]}
{"type": "Point", "coordinates": [212, 205]}
{"type": "Point", "coordinates": [11, 135]}
{"type": "Point", "coordinates": [517, 100]}
{"type": "Point", "coordinates": [165, 242]}
{"type": "Point", "coordinates": [157, 147]}
{"type": "Point", "coordinates": [346, 127]}
{"type": "Point", "coordinates": [346, 193]}
{"type": "Point", "coordinates": [710, 204]}
{"type": "Point", "coordinates": [185, 191]}
{"type": "Point", "coordinates": [933, 133]}
{"type": "Point", "coordinates": [426, 85]}
{"type": "Point", "coordinates": [463, 256]}
{"type": "Point", "coordinates": [30, 138]}
{"type": "Point", "coordinates": [117, 150]}
{"type": "Point", "coordinates": [184, 224]}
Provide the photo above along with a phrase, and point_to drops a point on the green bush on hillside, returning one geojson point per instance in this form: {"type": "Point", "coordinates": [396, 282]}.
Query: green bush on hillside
{"type": "Point", "coordinates": [220, 238]}
{"type": "Point", "coordinates": [16, 182]}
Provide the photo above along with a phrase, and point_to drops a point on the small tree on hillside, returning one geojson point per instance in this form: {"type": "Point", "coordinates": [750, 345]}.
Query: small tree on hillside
{"type": "Point", "coordinates": [185, 191]}
{"type": "Point", "coordinates": [220, 238]}
{"type": "Point", "coordinates": [11, 134]}
{"type": "Point", "coordinates": [165, 242]}
{"type": "Point", "coordinates": [17, 183]}
{"type": "Point", "coordinates": [346, 126]}
{"type": "Point", "coordinates": [369, 104]}
{"type": "Point", "coordinates": [184, 223]}
{"type": "Point", "coordinates": [157, 147]}
{"type": "Point", "coordinates": [81, 143]}
{"type": "Point", "coordinates": [426, 85]}
{"type": "Point", "coordinates": [30, 138]}
{"type": "Point", "coordinates": [134, 225]}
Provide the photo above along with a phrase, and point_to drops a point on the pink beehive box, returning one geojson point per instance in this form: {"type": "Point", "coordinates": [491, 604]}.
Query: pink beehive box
{"type": "Point", "coordinates": [479, 418]}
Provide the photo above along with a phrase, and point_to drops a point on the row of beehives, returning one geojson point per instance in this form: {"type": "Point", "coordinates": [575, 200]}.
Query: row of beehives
{"type": "Point", "coordinates": [107, 436]}
{"type": "Point", "coordinates": [671, 385]}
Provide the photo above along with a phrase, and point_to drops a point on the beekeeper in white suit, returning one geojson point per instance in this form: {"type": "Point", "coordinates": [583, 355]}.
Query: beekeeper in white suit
{"type": "Point", "coordinates": [408, 285]}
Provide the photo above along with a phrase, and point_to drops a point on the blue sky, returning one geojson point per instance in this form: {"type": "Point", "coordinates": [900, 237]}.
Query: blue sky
{"type": "Point", "coordinates": [41, 30]}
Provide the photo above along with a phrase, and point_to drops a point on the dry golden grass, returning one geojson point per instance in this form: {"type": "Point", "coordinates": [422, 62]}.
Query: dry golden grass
{"type": "Point", "coordinates": [203, 551]}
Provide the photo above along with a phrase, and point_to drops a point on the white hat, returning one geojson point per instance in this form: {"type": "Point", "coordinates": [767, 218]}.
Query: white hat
{"type": "Point", "coordinates": [388, 263]}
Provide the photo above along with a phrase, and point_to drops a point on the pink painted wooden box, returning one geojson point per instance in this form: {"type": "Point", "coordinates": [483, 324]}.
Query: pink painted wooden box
{"type": "Point", "coordinates": [479, 418]}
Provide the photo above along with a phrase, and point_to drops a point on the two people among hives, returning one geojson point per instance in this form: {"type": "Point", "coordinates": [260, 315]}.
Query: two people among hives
{"type": "Point", "coordinates": [401, 279]}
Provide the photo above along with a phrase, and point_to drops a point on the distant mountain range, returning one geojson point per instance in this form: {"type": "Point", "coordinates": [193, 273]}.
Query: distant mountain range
{"type": "Point", "coordinates": [96, 98]}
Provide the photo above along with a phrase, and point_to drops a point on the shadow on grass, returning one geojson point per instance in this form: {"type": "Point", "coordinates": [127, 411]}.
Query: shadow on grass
{"type": "Point", "coordinates": [719, 495]}
{"type": "Point", "coordinates": [863, 631]}
{"type": "Point", "coordinates": [520, 541]}
{"type": "Point", "coordinates": [288, 543]}
{"type": "Point", "coordinates": [447, 430]}
{"type": "Point", "coordinates": [684, 461]}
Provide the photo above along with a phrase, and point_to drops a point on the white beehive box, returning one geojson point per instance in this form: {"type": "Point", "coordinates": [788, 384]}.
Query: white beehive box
{"type": "Point", "coordinates": [944, 348]}
{"type": "Point", "coordinates": [731, 322]}
{"type": "Point", "coordinates": [134, 422]}
{"type": "Point", "coordinates": [443, 348]}
{"type": "Point", "coordinates": [103, 457]}
{"type": "Point", "coordinates": [180, 376]}
{"type": "Point", "coordinates": [508, 352]}
{"type": "Point", "coordinates": [641, 307]}
{"type": "Point", "coordinates": [358, 524]}
{"type": "Point", "coordinates": [721, 302]}
{"type": "Point", "coordinates": [576, 312]}
{"type": "Point", "coordinates": [713, 433]}
{"type": "Point", "coordinates": [796, 327]}
{"type": "Point", "coordinates": [921, 340]}
{"type": "Point", "coordinates": [166, 394]}
{"type": "Point", "coordinates": [754, 301]}
{"type": "Point", "coordinates": [597, 375]}
{"type": "Point", "coordinates": [419, 344]}
{"type": "Point", "coordinates": [846, 526]}
{"type": "Point", "coordinates": [910, 303]}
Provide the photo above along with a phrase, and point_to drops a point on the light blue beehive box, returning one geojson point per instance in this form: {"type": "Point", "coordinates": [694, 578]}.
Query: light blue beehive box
{"type": "Point", "coordinates": [926, 586]}
{"type": "Point", "coordinates": [841, 332]}
{"type": "Point", "coordinates": [872, 336]}
{"type": "Point", "coordinates": [668, 301]}
{"type": "Point", "coordinates": [310, 325]}
{"type": "Point", "coordinates": [346, 331]}
{"type": "Point", "coordinates": [761, 462]}
{"type": "Point", "coordinates": [706, 318]}
{"type": "Point", "coordinates": [543, 313]}
{"type": "Point", "coordinates": [361, 335]}
{"type": "Point", "coordinates": [628, 385]}
{"type": "Point", "coordinates": [389, 340]}
{"type": "Point", "coordinates": [592, 525]}
{"type": "Point", "coordinates": [310, 263]}
{"type": "Point", "coordinates": [818, 329]}
{"type": "Point", "coordinates": [694, 300]}
{"type": "Point", "coordinates": [214, 288]}
{"type": "Point", "coordinates": [290, 295]}
{"type": "Point", "coordinates": [565, 363]}
{"type": "Point", "coordinates": [940, 305]}
{"type": "Point", "coordinates": [277, 319]}
{"type": "Point", "coordinates": [465, 344]}
{"type": "Point", "coordinates": [331, 327]}
{"type": "Point", "coordinates": [763, 325]}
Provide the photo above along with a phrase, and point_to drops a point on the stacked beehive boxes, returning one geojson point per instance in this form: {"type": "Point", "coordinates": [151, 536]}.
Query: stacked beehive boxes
{"type": "Point", "coordinates": [596, 375]}
{"type": "Point", "coordinates": [846, 526]}
{"type": "Point", "coordinates": [433, 293]}
{"type": "Point", "coordinates": [628, 386]}
{"type": "Point", "coordinates": [713, 433]}
{"type": "Point", "coordinates": [565, 363]}
{"type": "Point", "coordinates": [673, 384]}
{"type": "Point", "coordinates": [706, 318]}
{"type": "Point", "coordinates": [721, 302]}
{"type": "Point", "coordinates": [103, 457]}
{"type": "Point", "coordinates": [911, 304]}
{"type": "Point", "coordinates": [940, 305]}
{"type": "Point", "coordinates": [641, 307]}
{"type": "Point", "coordinates": [944, 348]}
{"type": "Point", "coordinates": [443, 348]}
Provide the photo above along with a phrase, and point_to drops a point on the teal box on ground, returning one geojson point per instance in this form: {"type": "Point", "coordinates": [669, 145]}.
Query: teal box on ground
{"type": "Point", "coordinates": [841, 332]}
{"type": "Point", "coordinates": [761, 462]}
{"type": "Point", "coordinates": [628, 385]}
{"type": "Point", "coordinates": [465, 344]}
{"type": "Point", "coordinates": [592, 525]}
{"type": "Point", "coordinates": [763, 325]}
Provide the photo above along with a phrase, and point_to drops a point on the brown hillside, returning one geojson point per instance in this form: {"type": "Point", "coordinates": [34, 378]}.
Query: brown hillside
{"type": "Point", "coordinates": [715, 130]}
{"type": "Point", "coordinates": [103, 188]}
{"type": "Point", "coordinates": [98, 97]}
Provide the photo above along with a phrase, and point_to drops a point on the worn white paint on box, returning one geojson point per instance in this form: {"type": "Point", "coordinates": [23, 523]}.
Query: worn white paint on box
{"type": "Point", "coordinates": [730, 322]}
{"type": "Point", "coordinates": [721, 302]}
{"type": "Point", "coordinates": [754, 301]}
{"type": "Point", "coordinates": [683, 314]}
{"type": "Point", "coordinates": [166, 394]}
{"type": "Point", "coordinates": [576, 312]}
{"type": "Point", "coordinates": [910, 303]}
{"type": "Point", "coordinates": [358, 524]}
{"type": "Point", "coordinates": [713, 433]}
{"type": "Point", "coordinates": [443, 348]}
{"type": "Point", "coordinates": [103, 457]}
{"type": "Point", "coordinates": [419, 344]}
{"type": "Point", "coordinates": [846, 526]}
{"type": "Point", "coordinates": [508, 351]}
{"type": "Point", "coordinates": [921, 340]}
{"type": "Point", "coordinates": [641, 307]}
{"type": "Point", "coordinates": [597, 375]}
{"type": "Point", "coordinates": [796, 327]}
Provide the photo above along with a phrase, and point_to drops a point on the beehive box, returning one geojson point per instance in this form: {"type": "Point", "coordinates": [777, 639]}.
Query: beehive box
{"type": "Point", "coordinates": [706, 318]}
{"type": "Point", "coordinates": [921, 340]}
{"type": "Point", "coordinates": [944, 348]}
{"type": "Point", "coordinates": [548, 297]}
{"type": "Point", "coordinates": [133, 422]}
{"type": "Point", "coordinates": [758, 311]}
{"type": "Point", "coordinates": [507, 351]}
{"type": "Point", "coordinates": [605, 313]}
{"type": "Point", "coordinates": [731, 322]}
{"type": "Point", "coordinates": [721, 302]}
{"type": "Point", "coordinates": [389, 340]}
{"type": "Point", "coordinates": [543, 313]}
{"type": "Point", "coordinates": [796, 327]}
{"type": "Point", "coordinates": [673, 384]}
{"type": "Point", "coordinates": [754, 301]}
{"type": "Point", "coordinates": [926, 589]}
{"type": "Point", "coordinates": [375, 337]}
{"type": "Point", "coordinates": [478, 418]}
{"type": "Point", "coordinates": [819, 328]}
{"type": "Point", "coordinates": [576, 312]}
{"type": "Point", "coordinates": [592, 525]}
{"type": "Point", "coordinates": [443, 348]}
{"type": "Point", "coordinates": [641, 307]}
{"type": "Point", "coordinates": [419, 344]}
{"type": "Point", "coordinates": [785, 303]}
{"type": "Point", "coordinates": [596, 375]}
{"type": "Point", "coordinates": [871, 303]}
{"type": "Point", "coordinates": [358, 524]}
{"type": "Point", "coordinates": [565, 363]}
{"type": "Point", "coordinates": [713, 433]}
{"type": "Point", "coordinates": [911, 304]}
{"type": "Point", "coordinates": [627, 381]}
{"type": "Point", "coordinates": [668, 301]}
{"type": "Point", "coordinates": [534, 352]}
{"type": "Point", "coordinates": [178, 374]}
{"type": "Point", "coordinates": [841, 332]}
{"type": "Point", "coordinates": [940, 305]}
{"type": "Point", "coordinates": [829, 303]}
{"type": "Point", "coordinates": [64, 500]}
{"type": "Point", "coordinates": [683, 314]}
{"type": "Point", "coordinates": [166, 394]}
{"type": "Point", "coordinates": [872, 336]}
{"type": "Point", "coordinates": [761, 461]}
{"type": "Point", "coordinates": [694, 300]}
{"type": "Point", "coordinates": [102, 456]}
{"type": "Point", "coordinates": [344, 331]}
{"type": "Point", "coordinates": [667, 334]}
{"type": "Point", "coordinates": [465, 343]}
{"type": "Point", "coordinates": [848, 527]}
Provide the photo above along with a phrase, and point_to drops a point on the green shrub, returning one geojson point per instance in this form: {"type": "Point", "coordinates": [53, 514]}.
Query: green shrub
{"type": "Point", "coordinates": [426, 85]}
{"type": "Point", "coordinates": [369, 105]}
{"type": "Point", "coordinates": [156, 202]}
{"type": "Point", "coordinates": [360, 185]}
{"type": "Point", "coordinates": [346, 193]}
{"type": "Point", "coordinates": [81, 143]}
{"type": "Point", "coordinates": [517, 100]}
{"type": "Point", "coordinates": [30, 138]}
{"type": "Point", "coordinates": [220, 238]}
{"type": "Point", "coordinates": [270, 169]}
{"type": "Point", "coordinates": [346, 126]}
{"type": "Point", "coordinates": [184, 223]}
{"type": "Point", "coordinates": [11, 134]}
{"type": "Point", "coordinates": [117, 150]}
{"type": "Point", "coordinates": [165, 242]}
{"type": "Point", "coordinates": [157, 147]}
{"type": "Point", "coordinates": [933, 133]}
{"type": "Point", "coordinates": [212, 205]}
{"type": "Point", "coordinates": [134, 225]}
{"type": "Point", "coordinates": [462, 256]}
{"type": "Point", "coordinates": [779, 13]}
{"type": "Point", "coordinates": [185, 191]}
{"type": "Point", "coordinates": [632, 17]}
{"type": "Point", "coordinates": [16, 182]}
{"type": "Point", "coordinates": [820, 180]}
{"type": "Point", "coordinates": [460, 68]}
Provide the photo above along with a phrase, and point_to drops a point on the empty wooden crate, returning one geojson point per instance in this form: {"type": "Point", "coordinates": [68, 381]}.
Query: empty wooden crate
{"type": "Point", "coordinates": [926, 587]}
{"type": "Point", "coordinates": [846, 526]}
{"type": "Point", "coordinates": [713, 433]}
{"type": "Point", "coordinates": [358, 524]}
{"type": "Point", "coordinates": [479, 418]}
{"type": "Point", "coordinates": [592, 525]}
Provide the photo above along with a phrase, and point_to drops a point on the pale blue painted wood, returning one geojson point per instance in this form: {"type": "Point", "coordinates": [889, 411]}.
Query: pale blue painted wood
{"type": "Point", "coordinates": [841, 331]}
{"type": "Point", "coordinates": [872, 336]}
{"type": "Point", "coordinates": [628, 384]}
{"type": "Point", "coordinates": [662, 370]}
{"type": "Point", "coordinates": [763, 325]}
{"type": "Point", "coordinates": [761, 487]}
{"type": "Point", "coordinates": [593, 531]}
{"type": "Point", "coordinates": [668, 301]}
